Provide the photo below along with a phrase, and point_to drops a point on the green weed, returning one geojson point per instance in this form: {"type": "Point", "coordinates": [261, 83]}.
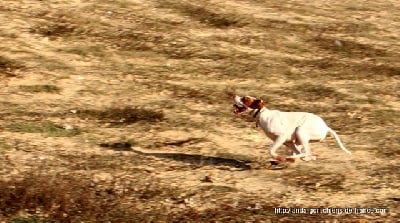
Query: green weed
{"type": "Point", "coordinates": [46, 88]}
{"type": "Point", "coordinates": [46, 128]}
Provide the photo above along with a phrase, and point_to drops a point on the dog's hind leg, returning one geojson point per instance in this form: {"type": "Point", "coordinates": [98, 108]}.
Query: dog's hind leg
{"type": "Point", "coordinates": [295, 149]}
{"type": "Point", "coordinates": [303, 139]}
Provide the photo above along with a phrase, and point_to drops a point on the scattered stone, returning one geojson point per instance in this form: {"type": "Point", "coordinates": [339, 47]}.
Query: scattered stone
{"type": "Point", "coordinates": [338, 43]}
{"type": "Point", "coordinates": [207, 179]}
{"type": "Point", "coordinates": [68, 127]}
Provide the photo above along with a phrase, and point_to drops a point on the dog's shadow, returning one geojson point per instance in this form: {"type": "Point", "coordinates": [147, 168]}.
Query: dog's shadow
{"type": "Point", "coordinates": [193, 159]}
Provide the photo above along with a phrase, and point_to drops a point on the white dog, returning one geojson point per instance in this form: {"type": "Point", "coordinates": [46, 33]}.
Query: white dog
{"type": "Point", "coordinates": [293, 129]}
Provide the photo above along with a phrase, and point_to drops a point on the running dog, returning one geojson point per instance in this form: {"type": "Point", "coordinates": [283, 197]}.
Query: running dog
{"type": "Point", "coordinates": [293, 129]}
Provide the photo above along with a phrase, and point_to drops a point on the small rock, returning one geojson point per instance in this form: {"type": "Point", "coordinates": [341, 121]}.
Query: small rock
{"type": "Point", "coordinates": [189, 201]}
{"type": "Point", "coordinates": [68, 127]}
{"type": "Point", "coordinates": [338, 43]}
{"type": "Point", "coordinates": [207, 179]}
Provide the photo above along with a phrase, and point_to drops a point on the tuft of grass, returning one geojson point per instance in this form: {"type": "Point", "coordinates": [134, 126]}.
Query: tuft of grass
{"type": "Point", "coordinates": [30, 220]}
{"type": "Point", "coordinates": [219, 188]}
{"type": "Point", "coordinates": [75, 198]}
{"type": "Point", "coordinates": [47, 128]}
{"type": "Point", "coordinates": [55, 28]}
{"type": "Point", "coordinates": [132, 39]}
{"type": "Point", "coordinates": [385, 117]}
{"type": "Point", "coordinates": [312, 92]}
{"type": "Point", "coordinates": [386, 173]}
{"type": "Point", "coordinates": [119, 146]}
{"type": "Point", "coordinates": [210, 95]}
{"type": "Point", "coordinates": [204, 15]}
{"type": "Point", "coordinates": [46, 88]}
{"type": "Point", "coordinates": [8, 66]}
{"type": "Point", "coordinates": [95, 50]}
{"type": "Point", "coordinates": [320, 180]}
{"type": "Point", "coordinates": [122, 116]}
{"type": "Point", "coordinates": [349, 48]}
{"type": "Point", "coordinates": [4, 146]}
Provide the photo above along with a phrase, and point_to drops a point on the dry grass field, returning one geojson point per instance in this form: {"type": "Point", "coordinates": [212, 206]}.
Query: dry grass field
{"type": "Point", "coordinates": [121, 111]}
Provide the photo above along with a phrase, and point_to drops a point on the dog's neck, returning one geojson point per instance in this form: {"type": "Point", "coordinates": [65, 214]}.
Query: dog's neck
{"type": "Point", "coordinates": [256, 113]}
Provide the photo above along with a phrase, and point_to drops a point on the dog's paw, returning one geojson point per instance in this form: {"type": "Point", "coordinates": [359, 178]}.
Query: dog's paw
{"type": "Point", "coordinates": [282, 161]}
{"type": "Point", "coordinates": [274, 162]}
{"type": "Point", "coordinates": [280, 158]}
{"type": "Point", "coordinates": [309, 158]}
{"type": "Point", "coordinates": [290, 159]}
{"type": "Point", "coordinates": [277, 165]}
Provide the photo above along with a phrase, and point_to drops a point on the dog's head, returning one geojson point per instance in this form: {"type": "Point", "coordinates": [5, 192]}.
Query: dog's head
{"type": "Point", "coordinates": [246, 103]}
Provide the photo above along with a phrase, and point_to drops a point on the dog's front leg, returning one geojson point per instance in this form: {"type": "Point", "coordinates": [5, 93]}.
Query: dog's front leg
{"type": "Point", "coordinates": [279, 141]}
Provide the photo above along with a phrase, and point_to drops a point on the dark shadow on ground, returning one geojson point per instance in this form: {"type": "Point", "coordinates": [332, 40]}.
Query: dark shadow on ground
{"type": "Point", "coordinates": [193, 159]}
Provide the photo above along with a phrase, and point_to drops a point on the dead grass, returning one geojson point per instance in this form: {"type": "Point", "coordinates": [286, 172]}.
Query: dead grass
{"type": "Point", "coordinates": [54, 29]}
{"type": "Point", "coordinates": [46, 128]}
{"type": "Point", "coordinates": [316, 179]}
{"type": "Point", "coordinates": [40, 88]}
{"type": "Point", "coordinates": [313, 92]}
{"type": "Point", "coordinates": [64, 200]}
{"type": "Point", "coordinates": [349, 48]}
{"type": "Point", "coordinates": [85, 51]}
{"type": "Point", "coordinates": [9, 66]}
{"type": "Point", "coordinates": [204, 15]}
{"type": "Point", "coordinates": [122, 116]}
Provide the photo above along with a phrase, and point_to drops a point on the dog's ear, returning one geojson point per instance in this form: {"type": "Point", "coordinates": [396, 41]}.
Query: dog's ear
{"type": "Point", "coordinates": [257, 104]}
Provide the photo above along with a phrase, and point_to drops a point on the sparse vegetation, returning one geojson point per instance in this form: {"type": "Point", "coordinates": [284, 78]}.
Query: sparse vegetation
{"type": "Point", "coordinates": [86, 50]}
{"type": "Point", "coordinates": [8, 66]}
{"type": "Point", "coordinates": [122, 116]}
{"type": "Point", "coordinates": [129, 103]}
{"type": "Point", "coordinates": [311, 92]}
{"type": "Point", "coordinates": [46, 88]}
{"type": "Point", "coordinates": [46, 128]}
{"type": "Point", "coordinates": [65, 200]}
{"type": "Point", "coordinates": [204, 15]}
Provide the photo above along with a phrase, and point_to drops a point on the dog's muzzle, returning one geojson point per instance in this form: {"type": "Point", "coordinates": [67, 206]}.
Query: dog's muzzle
{"type": "Point", "coordinates": [239, 109]}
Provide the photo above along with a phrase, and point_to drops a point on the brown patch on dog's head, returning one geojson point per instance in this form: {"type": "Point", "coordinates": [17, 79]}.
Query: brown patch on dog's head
{"type": "Point", "coordinates": [246, 103]}
{"type": "Point", "coordinates": [247, 100]}
{"type": "Point", "coordinates": [253, 103]}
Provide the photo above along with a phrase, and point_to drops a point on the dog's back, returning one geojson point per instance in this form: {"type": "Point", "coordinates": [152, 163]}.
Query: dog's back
{"type": "Point", "coordinates": [276, 122]}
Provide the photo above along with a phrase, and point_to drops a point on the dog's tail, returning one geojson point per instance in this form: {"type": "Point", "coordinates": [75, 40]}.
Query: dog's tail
{"type": "Point", "coordinates": [331, 131]}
